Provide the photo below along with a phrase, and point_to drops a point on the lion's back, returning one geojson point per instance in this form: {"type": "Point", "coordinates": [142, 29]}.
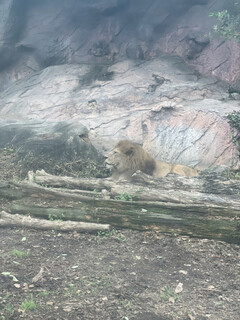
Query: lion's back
{"type": "Point", "coordinates": [163, 168]}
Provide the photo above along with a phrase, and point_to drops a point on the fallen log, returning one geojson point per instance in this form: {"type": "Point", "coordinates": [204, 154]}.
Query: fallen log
{"type": "Point", "coordinates": [185, 210]}
{"type": "Point", "coordinates": [9, 220]}
{"type": "Point", "coordinates": [173, 189]}
{"type": "Point", "coordinates": [127, 215]}
{"type": "Point", "coordinates": [211, 183]}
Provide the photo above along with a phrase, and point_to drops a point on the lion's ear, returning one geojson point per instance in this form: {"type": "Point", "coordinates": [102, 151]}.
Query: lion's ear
{"type": "Point", "coordinates": [130, 151]}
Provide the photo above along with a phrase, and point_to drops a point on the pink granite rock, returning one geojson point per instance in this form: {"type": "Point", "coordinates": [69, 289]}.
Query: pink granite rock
{"type": "Point", "coordinates": [162, 104]}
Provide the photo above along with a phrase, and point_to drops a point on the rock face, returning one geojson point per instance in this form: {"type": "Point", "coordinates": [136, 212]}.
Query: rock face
{"type": "Point", "coordinates": [103, 65]}
{"type": "Point", "coordinates": [187, 36]}
{"type": "Point", "coordinates": [162, 104]}
{"type": "Point", "coordinates": [37, 34]}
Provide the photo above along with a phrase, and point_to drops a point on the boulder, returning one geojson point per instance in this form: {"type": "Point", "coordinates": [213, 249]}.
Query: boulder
{"type": "Point", "coordinates": [61, 147]}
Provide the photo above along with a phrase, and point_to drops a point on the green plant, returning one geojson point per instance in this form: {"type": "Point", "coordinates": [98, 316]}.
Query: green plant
{"type": "Point", "coordinates": [7, 296]}
{"type": "Point", "coordinates": [28, 304]}
{"type": "Point", "coordinates": [228, 23]}
{"type": "Point", "coordinates": [44, 293]}
{"type": "Point", "coordinates": [234, 120]}
{"type": "Point", "coordinates": [95, 285]}
{"type": "Point", "coordinates": [104, 235]}
{"type": "Point", "coordinates": [124, 196]}
{"type": "Point", "coordinates": [9, 151]}
{"type": "Point", "coordinates": [235, 175]}
{"type": "Point", "coordinates": [6, 312]}
{"type": "Point", "coordinates": [126, 303]}
{"type": "Point", "coordinates": [56, 217]}
{"type": "Point", "coordinates": [34, 178]}
{"type": "Point", "coordinates": [168, 294]}
{"type": "Point", "coordinates": [72, 290]}
{"type": "Point", "coordinates": [8, 308]}
{"type": "Point", "coordinates": [20, 254]}
{"type": "Point", "coordinates": [121, 237]}
{"type": "Point", "coordinates": [16, 179]}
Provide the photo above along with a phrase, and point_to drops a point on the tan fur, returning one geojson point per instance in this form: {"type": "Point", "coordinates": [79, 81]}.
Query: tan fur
{"type": "Point", "coordinates": [128, 157]}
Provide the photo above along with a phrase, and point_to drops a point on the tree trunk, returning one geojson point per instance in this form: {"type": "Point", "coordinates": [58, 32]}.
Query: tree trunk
{"type": "Point", "coordinates": [172, 204]}
{"type": "Point", "coordinates": [10, 220]}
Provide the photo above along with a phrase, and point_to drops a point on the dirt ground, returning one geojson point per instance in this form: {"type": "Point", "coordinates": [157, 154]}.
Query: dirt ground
{"type": "Point", "coordinates": [121, 274]}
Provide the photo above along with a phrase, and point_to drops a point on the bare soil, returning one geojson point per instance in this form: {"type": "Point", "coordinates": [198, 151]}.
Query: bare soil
{"type": "Point", "coordinates": [122, 274]}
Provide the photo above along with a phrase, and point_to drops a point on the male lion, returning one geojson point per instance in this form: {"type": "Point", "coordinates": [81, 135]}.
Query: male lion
{"type": "Point", "coordinates": [128, 157]}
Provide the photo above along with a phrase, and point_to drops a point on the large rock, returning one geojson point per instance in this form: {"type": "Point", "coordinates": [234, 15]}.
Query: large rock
{"type": "Point", "coordinates": [59, 148]}
{"type": "Point", "coordinates": [188, 36]}
{"type": "Point", "coordinates": [37, 34]}
{"type": "Point", "coordinates": [99, 64]}
{"type": "Point", "coordinates": [41, 138]}
{"type": "Point", "coordinates": [162, 104]}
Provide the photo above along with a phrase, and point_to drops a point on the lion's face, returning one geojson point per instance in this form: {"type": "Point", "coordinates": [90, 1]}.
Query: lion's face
{"type": "Point", "coordinates": [117, 160]}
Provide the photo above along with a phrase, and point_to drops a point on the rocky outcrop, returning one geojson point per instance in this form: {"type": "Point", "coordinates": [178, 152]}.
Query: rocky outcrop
{"type": "Point", "coordinates": [35, 35]}
{"type": "Point", "coordinates": [162, 104]}
{"type": "Point", "coordinates": [190, 36]}
{"type": "Point", "coordinates": [102, 64]}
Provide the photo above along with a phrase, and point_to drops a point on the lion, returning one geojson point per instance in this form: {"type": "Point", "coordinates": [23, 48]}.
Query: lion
{"type": "Point", "coordinates": [128, 157]}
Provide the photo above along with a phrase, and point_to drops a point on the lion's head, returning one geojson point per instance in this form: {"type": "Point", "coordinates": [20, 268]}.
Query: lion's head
{"type": "Point", "coordinates": [128, 157]}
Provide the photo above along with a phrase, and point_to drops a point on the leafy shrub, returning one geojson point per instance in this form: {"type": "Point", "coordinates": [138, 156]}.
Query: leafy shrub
{"type": "Point", "coordinates": [228, 25]}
